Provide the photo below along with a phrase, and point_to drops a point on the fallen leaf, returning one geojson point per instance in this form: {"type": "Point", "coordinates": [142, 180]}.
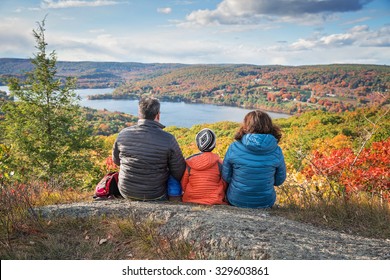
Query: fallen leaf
{"type": "Point", "coordinates": [102, 241]}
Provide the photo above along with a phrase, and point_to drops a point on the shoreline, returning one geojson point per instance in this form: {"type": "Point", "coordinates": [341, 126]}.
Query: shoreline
{"type": "Point", "coordinates": [175, 99]}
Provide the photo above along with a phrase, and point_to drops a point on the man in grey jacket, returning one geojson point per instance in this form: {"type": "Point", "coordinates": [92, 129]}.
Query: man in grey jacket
{"type": "Point", "coordinates": [147, 155]}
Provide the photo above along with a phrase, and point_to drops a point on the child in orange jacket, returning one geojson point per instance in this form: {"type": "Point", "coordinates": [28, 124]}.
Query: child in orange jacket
{"type": "Point", "coordinates": [202, 181]}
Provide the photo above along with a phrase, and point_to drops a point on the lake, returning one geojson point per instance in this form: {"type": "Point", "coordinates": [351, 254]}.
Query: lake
{"type": "Point", "coordinates": [172, 113]}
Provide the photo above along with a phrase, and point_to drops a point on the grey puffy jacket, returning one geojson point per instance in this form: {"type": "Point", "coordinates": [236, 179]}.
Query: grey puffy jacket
{"type": "Point", "coordinates": [147, 155]}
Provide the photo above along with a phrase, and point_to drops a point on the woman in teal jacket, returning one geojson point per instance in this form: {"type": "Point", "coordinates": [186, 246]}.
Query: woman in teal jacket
{"type": "Point", "coordinates": [254, 163]}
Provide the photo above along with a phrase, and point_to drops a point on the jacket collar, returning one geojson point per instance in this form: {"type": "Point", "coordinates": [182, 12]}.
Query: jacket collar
{"type": "Point", "coordinates": [150, 123]}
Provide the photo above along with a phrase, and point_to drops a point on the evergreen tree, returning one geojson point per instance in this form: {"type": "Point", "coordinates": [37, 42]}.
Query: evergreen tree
{"type": "Point", "coordinates": [44, 127]}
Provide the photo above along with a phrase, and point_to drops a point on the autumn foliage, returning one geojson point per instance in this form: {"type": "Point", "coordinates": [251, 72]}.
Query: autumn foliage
{"type": "Point", "coordinates": [366, 171]}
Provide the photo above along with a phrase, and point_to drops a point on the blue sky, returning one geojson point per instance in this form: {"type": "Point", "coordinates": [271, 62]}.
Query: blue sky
{"type": "Point", "coordinates": [262, 32]}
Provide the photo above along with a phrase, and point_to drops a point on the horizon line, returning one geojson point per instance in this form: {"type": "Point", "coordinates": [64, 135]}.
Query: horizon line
{"type": "Point", "coordinates": [195, 64]}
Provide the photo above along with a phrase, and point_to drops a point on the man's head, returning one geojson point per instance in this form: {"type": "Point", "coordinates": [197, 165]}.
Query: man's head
{"type": "Point", "coordinates": [148, 108]}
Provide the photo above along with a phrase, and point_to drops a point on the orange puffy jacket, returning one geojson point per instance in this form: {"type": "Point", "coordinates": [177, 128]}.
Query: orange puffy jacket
{"type": "Point", "coordinates": [202, 181]}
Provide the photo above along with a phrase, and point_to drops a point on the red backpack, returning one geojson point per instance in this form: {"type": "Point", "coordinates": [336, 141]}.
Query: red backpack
{"type": "Point", "coordinates": [107, 187]}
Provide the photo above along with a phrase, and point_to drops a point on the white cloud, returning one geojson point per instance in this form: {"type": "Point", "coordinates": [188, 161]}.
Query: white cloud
{"type": "Point", "coordinates": [336, 40]}
{"type": "Point", "coordinates": [358, 20]}
{"type": "Point", "coordinates": [19, 42]}
{"type": "Point", "coordinates": [166, 10]}
{"type": "Point", "coordinates": [233, 12]}
{"type": "Point", "coordinates": [380, 38]}
{"type": "Point", "coordinates": [143, 47]}
{"type": "Point", "coordinates": [102, 47]}
{"type": "Point", "coordinates": [60, 4]}
{"type": "Point", "coordinates": [359, 44]}
{"type": "Point", "coordinates": [358, 36]}
{"type": "Point", "coordinates": [303, 44]}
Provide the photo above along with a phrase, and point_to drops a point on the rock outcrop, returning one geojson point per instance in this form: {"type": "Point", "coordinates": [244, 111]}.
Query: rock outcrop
{"type": "Point", "coordinates": [225, 232]}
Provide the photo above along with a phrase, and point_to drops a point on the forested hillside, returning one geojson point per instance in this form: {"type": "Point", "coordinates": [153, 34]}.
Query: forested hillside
{"type": "Point", "coordinates": [103, 122]}
{"type": "Point", "coordinates": [89, 74]}
{"type": "Point", "coordinates": [334, 88]}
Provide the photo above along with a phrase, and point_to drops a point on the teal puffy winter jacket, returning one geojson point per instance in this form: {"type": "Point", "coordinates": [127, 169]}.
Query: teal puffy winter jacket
{"type": "Point", "coordinates": [252, 167]}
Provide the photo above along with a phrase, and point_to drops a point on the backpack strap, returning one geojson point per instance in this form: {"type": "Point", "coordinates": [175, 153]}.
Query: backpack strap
{"type": "Point", "coordinates": [189, 168]}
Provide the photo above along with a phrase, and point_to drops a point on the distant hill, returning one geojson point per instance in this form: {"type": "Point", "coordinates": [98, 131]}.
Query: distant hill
{"type": "Point", "coordinates": [90, 74]}
{"type": "Point", "coordinates": [289, 89]}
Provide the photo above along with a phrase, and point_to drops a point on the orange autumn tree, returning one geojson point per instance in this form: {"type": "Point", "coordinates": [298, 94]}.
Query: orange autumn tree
{"type": "Point", "coordinates": [367, 171]}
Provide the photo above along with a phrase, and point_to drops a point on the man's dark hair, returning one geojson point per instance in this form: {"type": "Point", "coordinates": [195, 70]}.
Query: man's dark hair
{"type": "Point", "coordinates": [149, 107]}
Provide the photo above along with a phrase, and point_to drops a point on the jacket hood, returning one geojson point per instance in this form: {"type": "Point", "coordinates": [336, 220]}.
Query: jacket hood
{"type": "Point", "coordinates": [259, 143]}
{"type": "Point", "coordinates": [202, 161]}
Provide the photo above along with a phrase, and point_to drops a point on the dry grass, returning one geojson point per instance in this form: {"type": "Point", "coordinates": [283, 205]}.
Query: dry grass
{"type": "Point", "coordinates": [358, 215]}
{"type": "Point", "coordinates": [23, 235]}
{"type": "Point", "coordinates": [92, 239]}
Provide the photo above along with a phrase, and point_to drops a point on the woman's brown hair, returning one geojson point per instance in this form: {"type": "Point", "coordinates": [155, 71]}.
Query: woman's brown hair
{"type": "Point", "coordinates": [258, 122]}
